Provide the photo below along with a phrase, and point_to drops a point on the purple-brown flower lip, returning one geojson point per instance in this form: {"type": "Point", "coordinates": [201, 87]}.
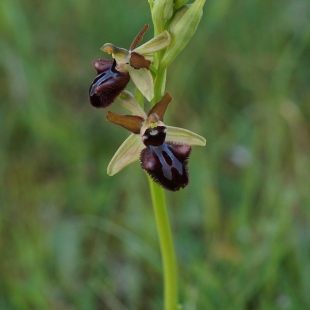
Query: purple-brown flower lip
{"type": "Point", "coordinates": [167, 164]}
{"type": "Point", "coordinates": [108, 84]}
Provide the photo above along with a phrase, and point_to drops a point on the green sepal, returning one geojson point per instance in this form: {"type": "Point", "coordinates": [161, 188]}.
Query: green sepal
{"type": "Point", "coordinates": [127, 153]}
{"type": "Point", "coordinates": [143, 80]}
{"type": "Point", "coordinates": [184, 136]}
{"type": "Point", "coordinates": [129, 102]}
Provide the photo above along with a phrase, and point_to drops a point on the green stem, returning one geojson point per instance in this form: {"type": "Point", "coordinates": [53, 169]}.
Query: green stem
{"type": "Point", "coordinates": [139, 97]}
{"type": "Point", "coordinates": [161, 213]}
{"type": "Point", "coordinates": [159, 85]}
{"type": "Point", "coordinates": [166, 246]}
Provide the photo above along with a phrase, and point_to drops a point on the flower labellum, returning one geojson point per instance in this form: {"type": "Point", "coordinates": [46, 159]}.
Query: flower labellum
{"type": "Point", "coordinates": [108, 84]}
{"type": "Point", "coordinates": [165, 162]}
{"type": "Point", "coordinates": [163, 150]}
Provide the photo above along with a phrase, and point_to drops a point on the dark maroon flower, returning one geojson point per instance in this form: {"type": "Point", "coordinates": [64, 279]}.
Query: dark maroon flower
{"type": "Point", "coordinates": [108, 84]}
{"type": "Point", "coordinates": [165, 162]}
{"type": "Point", "coordinates": [163, 150]}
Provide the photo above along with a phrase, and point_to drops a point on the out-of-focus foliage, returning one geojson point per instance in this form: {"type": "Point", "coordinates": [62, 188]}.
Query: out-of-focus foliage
{"type": "Point", "coordinates": [73, 238]}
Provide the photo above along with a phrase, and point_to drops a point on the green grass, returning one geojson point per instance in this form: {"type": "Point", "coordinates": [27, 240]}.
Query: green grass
{"type": "Point", "coordinates": [73, 238]}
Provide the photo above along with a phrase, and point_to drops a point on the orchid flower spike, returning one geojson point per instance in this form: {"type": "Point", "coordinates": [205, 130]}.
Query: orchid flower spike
{"type": "Point", "coordinates": [114, 75]}
{"type": "Point", "coordinates": [163, 150]}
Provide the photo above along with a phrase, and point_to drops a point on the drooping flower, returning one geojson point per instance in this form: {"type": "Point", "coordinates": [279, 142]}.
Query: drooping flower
{"type": "Point", "coordinates": [108, 84]}
{"type": "Point", "coordinates": [113, 76]}
{"type": "Point", "coordinates": [163, 150]}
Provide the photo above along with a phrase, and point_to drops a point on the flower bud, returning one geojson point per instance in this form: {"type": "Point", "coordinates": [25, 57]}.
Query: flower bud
{"type": "Point", "coordinates": [177, 17]}
{"type": "Point", "coordinates": [162, 10]}
{"type": "Point", "coordinates": [179, 3]}
{"type": "Point", "coordinates": [168, 9]}
{"type": "Point", "coordinates": [183, 30]}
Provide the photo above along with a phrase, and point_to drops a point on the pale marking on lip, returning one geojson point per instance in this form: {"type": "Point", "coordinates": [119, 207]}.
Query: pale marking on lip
{"type": "Point", "coordinates": [167, 169]}
{"type": "Point", "coordinates": [153, 132]}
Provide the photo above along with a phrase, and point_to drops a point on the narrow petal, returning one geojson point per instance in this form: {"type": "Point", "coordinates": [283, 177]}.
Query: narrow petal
{"type": "Point", "coordinates": [154, 45]}
{"type": "Point", "coordinates": [127, 153]}
{"type": "Point", "coordinates": [161, 106]}
{"type": "Point", "coordinates": [143, 80]}
{"type": "Point", "coordinates": [181, 135]}
{"type": "Point", "coordinates": [128, 101]}
{"type": "Point", "coordinates": [139, 37]}
{"type": "Point", "coordinates": [132, 123]}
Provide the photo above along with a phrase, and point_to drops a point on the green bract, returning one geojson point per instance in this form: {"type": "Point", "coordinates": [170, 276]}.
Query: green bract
{"type": "Point", "coordinates": [179, 3]}
{"type": "Point", "coordinates": [183, 30]}
{"type": "Point", "coordinates": [168, 9]}
{"type": "Point", "coordinates": [177, 17]}
{"type": "Point", "coordinates": [161, 10]}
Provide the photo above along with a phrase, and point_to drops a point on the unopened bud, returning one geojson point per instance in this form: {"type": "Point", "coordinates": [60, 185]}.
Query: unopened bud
{"type": "Point", "coordinates": [161, 10]}
{"type": "Point", "coordinates": [183, 30]}
{"type": "Point", "coordinates": [168, 9]}
{"type": "Point", "coordinates": [179, 3]}
{"type": "Point", "coordinates": [177, 17]}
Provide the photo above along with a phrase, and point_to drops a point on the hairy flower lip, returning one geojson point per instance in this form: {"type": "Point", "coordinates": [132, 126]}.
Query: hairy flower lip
{"type": "Point", "coordinates": [107, 85]}
{"type": "Point", "coordinates": [167, 164]}
{"type": "Point", "coordinates": [100, 79]}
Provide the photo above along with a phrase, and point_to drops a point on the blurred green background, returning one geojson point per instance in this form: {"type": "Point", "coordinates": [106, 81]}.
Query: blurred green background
{"type": "Point", "coordinates": [73, 238]}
